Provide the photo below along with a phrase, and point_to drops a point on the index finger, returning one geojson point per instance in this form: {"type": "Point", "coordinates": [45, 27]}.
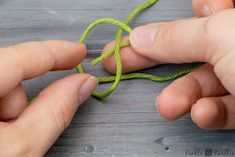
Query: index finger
{"type": "Point", "coordinates": [28, 60]}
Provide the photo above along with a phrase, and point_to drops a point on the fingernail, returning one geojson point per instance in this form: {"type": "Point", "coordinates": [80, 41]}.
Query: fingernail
{"type": "Point", "coordinates": [87, 88]}
{"type": "Point", "coordinates": [143, 37]}
{"type": "Point", "coordinates": [192, 117]}
{"type": "Point", "coordinates": [207, 10]}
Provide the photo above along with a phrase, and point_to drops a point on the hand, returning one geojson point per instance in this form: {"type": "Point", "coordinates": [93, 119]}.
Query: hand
{"type": "Point", "coordinates": [29, 130]}
{"type": "Point", "coordinates": [209, 91]}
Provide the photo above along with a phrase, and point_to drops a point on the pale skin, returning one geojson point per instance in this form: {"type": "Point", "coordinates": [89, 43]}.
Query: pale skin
{"type": "Point", "coordinates": [30, 130]}
{"type": "Point", "coordinates": [208, 92]}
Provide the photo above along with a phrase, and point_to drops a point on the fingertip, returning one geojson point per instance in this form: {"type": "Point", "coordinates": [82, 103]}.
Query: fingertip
{"type": "Point", "coordinates": [69, 45]}
{"type": "Point", "coordinates": [71, 84]}
{"type": "Point", "coordinates": [207, 114]}
{"type": "Point", "coordinates": [172, 105]}
{"type": "Point", "coordinates": [79, 49]}
{"type": "Point", "coordinates": [143, 39]}
{"type": "Point", "coordinates": [82, 52]}
{"type": "Point", "coordinates": [176, 99]}
{"type": "Point", "coordinates": [197, 5]}
{"type": "Point", "coordinates": [82, 48]}
{"type": "Point", "coordinates": [81, 86]}
{"type": "Point", "coordinates": [164, 108]}
{"type": "Point", "coordinates": [204, 8]}
{"type": "Point", "coordinates": [69, 53]}
{"type": "Point", "coordinates": [87, 88]}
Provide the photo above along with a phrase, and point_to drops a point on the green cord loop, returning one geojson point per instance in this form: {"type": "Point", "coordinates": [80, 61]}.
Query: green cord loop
{"type": "Point", "coordinates": [116, 50]}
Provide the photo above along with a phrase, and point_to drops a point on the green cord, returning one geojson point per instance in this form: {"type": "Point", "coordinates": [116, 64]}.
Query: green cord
{"type": "Point", "coordinates": [145, 76]}
{"type": "Point", "coordinates": [116, 50]}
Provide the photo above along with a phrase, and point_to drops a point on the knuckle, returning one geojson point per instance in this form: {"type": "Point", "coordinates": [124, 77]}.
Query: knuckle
{"type": "Point", "coordinates": [226, 73]}
{"type": "Point", "coordinates": [60, 110]}
{"type": "Point", "coordinates": [218, 29]}
{"type": "Point", "coordinates": [62, 114]}
{"type": "Point", "coordinates": [27, 53]}
{"type": "Point", "coordinates": [172, 34]}
{"type": "Point", "coordinates": [208, 35]}
{"type": "Point", "coordinates": [166, 35]}
{"type": "Point", "coordinates": [48, 54]}
{"type": "Point", "coordinates": [18, 62]}
{"type": "Point", "coordinates": [46, 48]}
{"type": "Point", "coordinates": [221, 69]}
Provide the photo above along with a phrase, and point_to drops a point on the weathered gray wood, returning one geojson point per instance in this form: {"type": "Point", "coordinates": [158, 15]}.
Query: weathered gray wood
{"type": "Point", "coordinates": [126, 123]}
{"type": "Point", "coordinates": [23, 20]}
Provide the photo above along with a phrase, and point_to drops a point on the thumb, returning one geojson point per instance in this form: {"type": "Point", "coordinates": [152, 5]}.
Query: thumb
{"type": "Point", "coordinates": [187, 40]}
{"type": "Point", "coordinates": [171, 42]}
{"type": "Point", "coordinates": [52, 111]}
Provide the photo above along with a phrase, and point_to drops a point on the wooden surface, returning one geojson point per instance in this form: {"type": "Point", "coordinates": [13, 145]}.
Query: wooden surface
{"type": "Point", "coordinates": [126, 123]}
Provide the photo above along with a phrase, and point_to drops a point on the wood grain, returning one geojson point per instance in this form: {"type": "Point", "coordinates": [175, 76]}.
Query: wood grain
{"type": "Point", "coordinates": [126, 123]}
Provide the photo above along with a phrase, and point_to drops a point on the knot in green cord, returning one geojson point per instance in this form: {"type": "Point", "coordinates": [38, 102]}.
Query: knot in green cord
{"type": "Point", "coordinates": [116, 51]}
